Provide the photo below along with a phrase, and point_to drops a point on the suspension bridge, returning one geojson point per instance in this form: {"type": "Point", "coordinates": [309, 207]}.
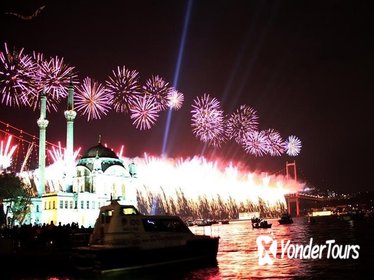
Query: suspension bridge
{"type": "Point", "coordinates": [19, 149]}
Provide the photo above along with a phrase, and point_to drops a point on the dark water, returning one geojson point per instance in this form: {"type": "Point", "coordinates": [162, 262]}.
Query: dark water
{"type": "Point", "coordinates": [238, 253]}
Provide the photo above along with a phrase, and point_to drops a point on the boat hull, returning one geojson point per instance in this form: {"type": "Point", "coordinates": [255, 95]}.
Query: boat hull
{"type": "Point", "coordinates": [106, 259]}
{"type": "Point", "coordinates": [285, 222]}
{"type": "Point", "coordinates": [261, 226]}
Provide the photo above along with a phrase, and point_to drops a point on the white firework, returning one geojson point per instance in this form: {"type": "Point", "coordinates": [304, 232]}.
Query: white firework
{"type": "Point", "coordinates": [293, 146]}
{"type": "Point", "coordinates": [176, 99]}
{"type": "Point", "coordinates": [6, 153]}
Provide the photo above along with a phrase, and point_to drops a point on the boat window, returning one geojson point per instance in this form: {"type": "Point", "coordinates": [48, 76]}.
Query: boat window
{"type": "Point", "coordinates": [129, 211]}
{"type": "Point", "coordinates": [164, 225]}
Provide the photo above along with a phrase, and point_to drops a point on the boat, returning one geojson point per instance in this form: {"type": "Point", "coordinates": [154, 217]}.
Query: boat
{"type": "Point", "coordinates": [260, 223]}
{"type": "Point", "coordinates": [285, 219]}
{"type": "Point", "coordinates": [123, 240]}
{"type": "Point", "coordinates": [203, 222]}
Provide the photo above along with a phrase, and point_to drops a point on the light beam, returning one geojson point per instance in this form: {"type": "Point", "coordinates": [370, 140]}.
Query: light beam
{"type": "Point", "coordinates": [177, 71]}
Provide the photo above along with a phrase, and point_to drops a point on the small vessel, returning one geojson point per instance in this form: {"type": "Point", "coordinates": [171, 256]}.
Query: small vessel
{"type": "Point", "coordinates": [285, 219]}
{"type": "Point", "coordinates": [203, 222]}
{"type": "Point", "coordinates": [125, 240]}
{"type": "Point", "coordinates": [260, 223]}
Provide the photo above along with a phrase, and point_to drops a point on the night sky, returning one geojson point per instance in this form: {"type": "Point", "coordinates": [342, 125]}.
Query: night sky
{"type": "Point", "coordinates": [305, 66]}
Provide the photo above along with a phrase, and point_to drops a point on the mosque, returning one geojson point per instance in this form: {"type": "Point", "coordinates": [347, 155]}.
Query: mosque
{"type": "Point", "coordinates": [98, 177]}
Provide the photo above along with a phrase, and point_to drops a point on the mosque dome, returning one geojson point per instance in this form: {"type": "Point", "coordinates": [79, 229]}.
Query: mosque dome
{"type": "Point", "coordinates": [99, 151]}
{"type": "Point", "coordinates": [99, 158]}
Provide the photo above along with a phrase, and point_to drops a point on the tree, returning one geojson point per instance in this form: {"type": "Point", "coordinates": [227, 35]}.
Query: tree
{"type": "Point", "coordinates": [18, 197]}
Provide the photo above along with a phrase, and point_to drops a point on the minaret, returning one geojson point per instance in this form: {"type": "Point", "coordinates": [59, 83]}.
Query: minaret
{"type": "Point", "coordinates": [70, 115]}
{"type": "Point", "coordinates": [42, 123]}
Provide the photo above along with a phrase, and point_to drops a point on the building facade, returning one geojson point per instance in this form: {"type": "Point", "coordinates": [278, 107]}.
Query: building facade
{"type": "Point", "coordinates": [99, 177]}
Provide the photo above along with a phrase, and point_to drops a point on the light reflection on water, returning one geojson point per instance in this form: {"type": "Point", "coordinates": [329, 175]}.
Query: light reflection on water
{"type": "Point", "coordinates": [238, 256]}
{"type": "Point", "coordinates": [238, 253]}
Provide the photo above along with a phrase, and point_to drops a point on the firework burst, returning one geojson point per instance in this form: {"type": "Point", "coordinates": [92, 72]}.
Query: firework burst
{"type": "Point", "coordinates": [160, 90]}
{"type": "Point", "coordinates": [6, 153]}
{"type": "Point", "coordinates": [16, 77]}
{"type": "Point", "coordinates": [92, 99]}
{"type": "Point", "coordinates": [207, 120]}
{"type": "Point", "coordinates": [275, 142]}
{"type": "Point", "coordinates": [52, 77]}
{"type": "Point", "coordinates": [55, 77]}
{"type": "Point", "coordinates": [124, 86]}
{"type": "Point", "coordinates": [255, 143]}
{"type": "Point", "coordinates": [293, 146]}
{"type": "Point", "coordinates": [144, 112]}
{"type": "Point", "coordinates": [243, 121]}
{"type": "Point", "coordinates": [176, 99]}
{"type": "Point", "coordinates": [221, 138]}
{"type": "Point", "coordinates": [38, 59]}
{"type": "Point", "coordinates": [58, 154]}
{"type": "Point", "coordinates": [218, 140]}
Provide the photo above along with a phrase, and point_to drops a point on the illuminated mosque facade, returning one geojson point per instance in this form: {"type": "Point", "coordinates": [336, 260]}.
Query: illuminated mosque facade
{"type": "Point", "coordinates": [98, 177]}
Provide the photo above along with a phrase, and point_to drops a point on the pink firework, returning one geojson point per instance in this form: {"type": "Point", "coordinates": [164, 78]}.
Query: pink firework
{"type": "Point", "coordinates": [53, 77]}
{"type": "Point", "coordinates": [221, 138]}
{"type": "Point", "coordinates": [243, 121]}
{"type": "Point", "coordinates": [275, 142]}
{"type": "Point", "coordinates": [92, 99]}
{"type": "Point", "coordinates": [160, 90]}
{"type": "Point", "coordinates": [144, 112]}
{"type": "Point", "coordinates": [207, 118]}
{"type": "Point", "coordinates": [293, 146]}
{"type": "Point", "coordinates": [16, 77]}
{"type": "Point", "coordinates": [33, 97]}
{"type": "Point", "coordinates": [124, 86]}
{"type": "Point", "coordinates": [218, 140]}
{"type": "Point", "coordinates": [176, 99]}
{"type": "Point", "coordinates": [255, 143]}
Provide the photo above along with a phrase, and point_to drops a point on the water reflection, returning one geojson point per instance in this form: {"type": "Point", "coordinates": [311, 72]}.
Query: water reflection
{"type": "Point", "coordinates": [238, 257]}
{"type": "Point", "coordinates": [238, 252]}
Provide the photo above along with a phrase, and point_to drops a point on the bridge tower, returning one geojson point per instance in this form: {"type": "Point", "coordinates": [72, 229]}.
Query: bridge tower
{"type": "Point", "coordinates": [294, 198]}
{"type": "Point", "coordinates": [291, 170]}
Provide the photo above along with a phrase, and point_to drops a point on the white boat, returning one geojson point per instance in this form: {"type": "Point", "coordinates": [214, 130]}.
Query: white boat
{"type": "Point", "coordinates": [124, 240]}
{"type": "Point", "coordinates": [203, 222]}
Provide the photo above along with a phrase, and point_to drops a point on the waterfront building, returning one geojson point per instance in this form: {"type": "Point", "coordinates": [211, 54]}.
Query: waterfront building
{"type": "Point", "coordinates": [99, 177]}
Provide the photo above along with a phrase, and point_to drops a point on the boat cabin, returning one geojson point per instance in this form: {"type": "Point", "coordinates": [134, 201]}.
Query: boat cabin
{"type": "Point", "coordinates": [117, 223]}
